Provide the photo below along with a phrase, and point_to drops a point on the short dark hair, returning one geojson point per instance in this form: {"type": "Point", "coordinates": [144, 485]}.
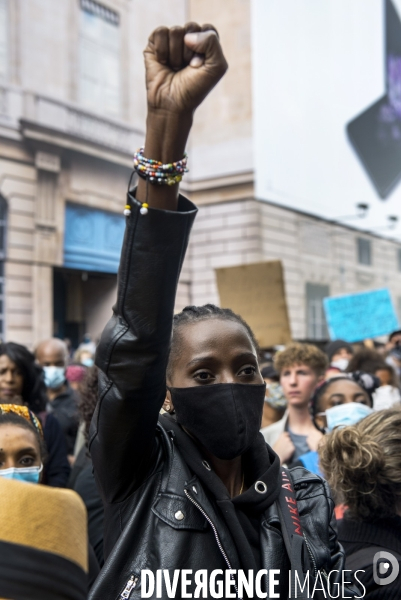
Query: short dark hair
{"type": "Point", "coordinates": [366, 360]}
{"type": "Point", "coordinates": [33, 390]}
{"type": "Point", "coordinates": [195, 314]}
{"type": "Point", "coordinates": [10, 418]}
{"type": "Point", "coordinates": [393, 334]}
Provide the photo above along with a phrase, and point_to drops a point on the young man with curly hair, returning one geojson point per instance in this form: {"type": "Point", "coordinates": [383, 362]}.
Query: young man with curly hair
{"type": "Point", "coordinates": [301, 368]}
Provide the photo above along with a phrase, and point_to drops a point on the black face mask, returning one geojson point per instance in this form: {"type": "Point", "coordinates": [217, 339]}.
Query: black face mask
{"type": "Point", "coordinates": [225, 417]}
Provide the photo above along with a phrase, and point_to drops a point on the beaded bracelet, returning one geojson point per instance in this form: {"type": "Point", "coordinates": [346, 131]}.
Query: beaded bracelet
{"type": "Point", "coordinates": [157, 172]}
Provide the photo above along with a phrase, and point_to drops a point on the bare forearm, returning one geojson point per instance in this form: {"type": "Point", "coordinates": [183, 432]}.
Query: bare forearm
{"type": "Point", "coordinates": [166, 140]}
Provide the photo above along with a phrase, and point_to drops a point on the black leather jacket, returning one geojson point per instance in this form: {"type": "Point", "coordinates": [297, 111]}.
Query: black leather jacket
{"type": "Point", "coordinates": [157, 514]}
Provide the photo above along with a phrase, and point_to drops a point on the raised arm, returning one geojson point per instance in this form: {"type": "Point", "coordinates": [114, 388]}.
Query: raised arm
{"type": "Point", "coordinates": [181, 69]}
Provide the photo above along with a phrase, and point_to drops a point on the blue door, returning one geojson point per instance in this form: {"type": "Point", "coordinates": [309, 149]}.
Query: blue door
{"type": "Point", "coordinates": [92, 239]}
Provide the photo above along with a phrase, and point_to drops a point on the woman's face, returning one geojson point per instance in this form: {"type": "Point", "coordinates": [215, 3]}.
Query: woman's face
{"type": "Point", "coordinates": [340, 392]}
{"type": "Point", "coordinates": [214, 351]}
{"type": "Point", "coordinates": [19, 447]}
{"type": "Point", "coordinates": [11, 381]}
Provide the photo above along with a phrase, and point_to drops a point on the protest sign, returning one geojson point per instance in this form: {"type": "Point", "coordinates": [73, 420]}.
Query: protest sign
{"type": "Point", "coordinates": [256, 292]}
{"type": "Point", "coordinates": [357, 317]}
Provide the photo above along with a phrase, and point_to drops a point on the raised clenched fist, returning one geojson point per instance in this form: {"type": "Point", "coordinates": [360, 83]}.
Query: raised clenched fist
{"type": "Point", "coordinates": [182, 65]}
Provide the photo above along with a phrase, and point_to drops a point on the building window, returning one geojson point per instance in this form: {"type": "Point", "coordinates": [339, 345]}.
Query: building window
{"type": "Point", "coordinates": [99, 56]}
{"type": "Point", "coordinates": [3, 226]}
{"type": "Point", "coordinates": [315, 316]}
{"type": "Point", "coordinates": [4, 59]}
{"type": "Point", "coordinates": [399, 259]}
{"type": "Point", "coordinates": [364, 251]}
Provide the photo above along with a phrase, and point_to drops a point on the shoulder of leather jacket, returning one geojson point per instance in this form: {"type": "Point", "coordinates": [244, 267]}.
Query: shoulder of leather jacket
{"type": "Point", "coordinates": [306, 484]}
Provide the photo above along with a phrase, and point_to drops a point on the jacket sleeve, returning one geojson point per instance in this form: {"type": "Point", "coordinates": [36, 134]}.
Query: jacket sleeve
{"type": "Point", "coordinates": [133, 351]}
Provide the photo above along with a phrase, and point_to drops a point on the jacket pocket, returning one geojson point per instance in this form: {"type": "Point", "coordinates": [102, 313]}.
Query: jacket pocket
{"type": "Point", "coordinates": [178, 512]}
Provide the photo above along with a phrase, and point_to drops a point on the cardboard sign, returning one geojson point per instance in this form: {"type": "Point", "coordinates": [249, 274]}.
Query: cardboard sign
{"type": "Point", "coordinates": [356, 317]}
{"type": "Point", "coordinates": [256, 292]}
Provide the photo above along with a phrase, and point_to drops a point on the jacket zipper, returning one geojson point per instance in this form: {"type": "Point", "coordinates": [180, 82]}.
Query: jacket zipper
{"type": "Point", "coordinates": [216, 535]}
{"type": "Point", "coordinates": [130, 586]}
{"type": "Point", "coordinates": [311, 555]}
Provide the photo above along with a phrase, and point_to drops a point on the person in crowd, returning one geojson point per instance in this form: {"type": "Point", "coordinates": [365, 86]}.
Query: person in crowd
{"type": "Point", "coordinates": [22, 455]}
{"type": "Point", "coordinates": [21, 383]}
{"type": "Point", "coordinates": [22, 450]}
{"type": "Point", "coordinates": [388, 393]}
{"type": "Point", "coordinates": [195, 488]}
{"type": "Point", "coordinates": [362, 463]}
{"type": "Point", "coordinates": [337, 402]}
{"type": "Point", "coordinates": [393, 358]}
{"type": "Point", "coordinates": [75, 374]}
{"type": "Point", "coordinates": [366, 360]}
{"type": "Point", "coordinates": [83, 356]}
{"type": "Point", "coordinates": [387, 375]}
{"type": "Point", "coordinates": [394, 339]}
{"type": "Point", "coordinates": [82, 479]}
{"type": "Point", "coordinates": [52, 356]}
{"type": "Point", "coordinates": [275, 402]}
{"type": "Point", "coordinates": [343, 400]}
{"type": "Point", "coordinates": [301, 368]}
{"type": "Point", "coordinates": [339, 354]}
{"type": "Point", "coordinates": [43, 542]}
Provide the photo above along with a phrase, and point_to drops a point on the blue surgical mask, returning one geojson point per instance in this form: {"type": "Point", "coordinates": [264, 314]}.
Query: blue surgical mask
{"type": "Point", "coordinates": [27, 474]}
{"type": "Point", "coordinates": [346, 414]}
{"type": "Point", "coordinates": [87, 362]}
{"type": "Point", "coordinates": [54, 377]}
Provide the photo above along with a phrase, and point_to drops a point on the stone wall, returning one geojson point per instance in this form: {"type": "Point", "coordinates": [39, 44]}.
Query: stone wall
{"type": "Point", "coordinates": [312, 251]}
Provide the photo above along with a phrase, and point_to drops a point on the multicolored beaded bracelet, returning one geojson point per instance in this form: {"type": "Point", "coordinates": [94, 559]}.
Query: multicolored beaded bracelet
{"type": "Point", "coordinates": [157, 172]}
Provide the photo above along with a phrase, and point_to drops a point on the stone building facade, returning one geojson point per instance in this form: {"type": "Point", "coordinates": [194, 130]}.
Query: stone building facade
{"type": "Point", "coordinates": [72, 111]}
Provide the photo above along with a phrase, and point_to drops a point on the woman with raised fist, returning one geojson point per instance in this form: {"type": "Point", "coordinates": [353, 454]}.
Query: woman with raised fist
{"type": "Point", "coordinates": [197, 489]}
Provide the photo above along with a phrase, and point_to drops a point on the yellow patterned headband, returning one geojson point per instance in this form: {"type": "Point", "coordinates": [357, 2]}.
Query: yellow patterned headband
{"type": "Point", "coordinates": [22, 411]}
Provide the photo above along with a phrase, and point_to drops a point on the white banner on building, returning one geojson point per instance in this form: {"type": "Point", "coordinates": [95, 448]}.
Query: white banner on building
{"type": "Point", "coordinates": [327, 107]}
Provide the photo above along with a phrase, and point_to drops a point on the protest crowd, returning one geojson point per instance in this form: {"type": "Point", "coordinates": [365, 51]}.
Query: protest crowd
{"type": "Point", "coordinates": [174, 442]}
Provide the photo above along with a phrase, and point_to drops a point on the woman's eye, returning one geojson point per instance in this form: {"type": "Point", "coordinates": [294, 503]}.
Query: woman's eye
{"type": "Point", "coordinates": [203, 375]}
{"type": "Point", "coordinates": [27, 461]}
{"type": "Point", "coordinates": [248, 371]}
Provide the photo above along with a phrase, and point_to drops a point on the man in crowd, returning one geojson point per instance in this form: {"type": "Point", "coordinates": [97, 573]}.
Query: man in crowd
{"type": "Point", "coordinates": [52, 355]}
{"type": "Point", "coordinates": [301, 368]}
